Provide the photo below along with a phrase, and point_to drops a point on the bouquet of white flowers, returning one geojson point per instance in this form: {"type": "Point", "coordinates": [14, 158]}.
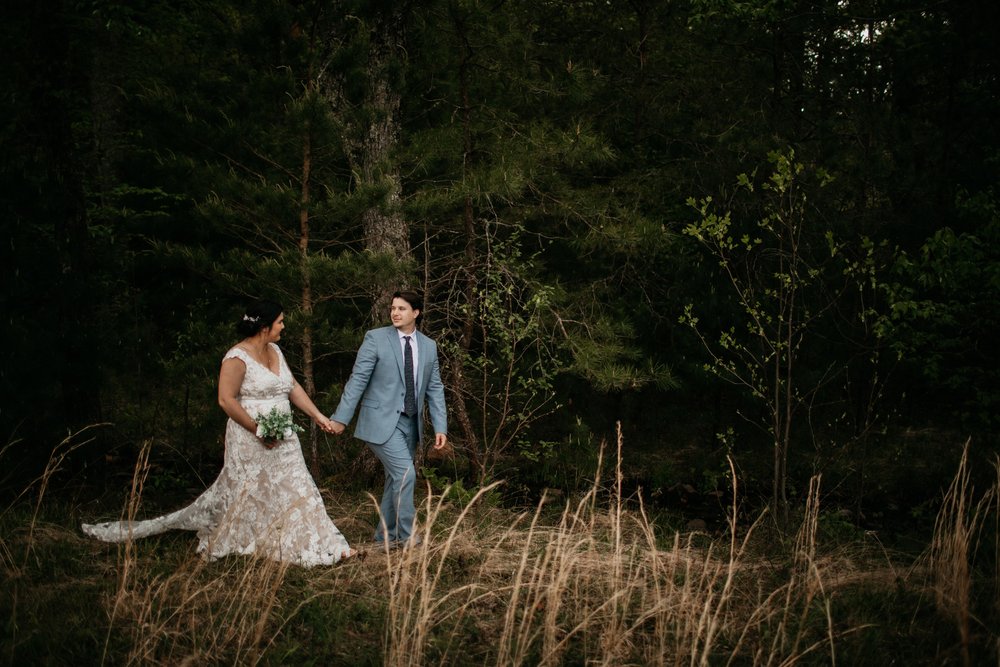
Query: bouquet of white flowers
{"type": "Point", "coordinates": [276, 425]}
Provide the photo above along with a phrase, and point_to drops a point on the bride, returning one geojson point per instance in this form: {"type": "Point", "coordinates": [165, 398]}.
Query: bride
{"type": "Point", "coordinates": [264, 501]}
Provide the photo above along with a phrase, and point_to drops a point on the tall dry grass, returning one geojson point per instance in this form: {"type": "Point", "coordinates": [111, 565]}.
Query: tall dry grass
{"type": "Point", "coordinates": [421, 594]}
{"type": "Point", "coordinates": [198, 614]}
{"type": "Point", "coordinates": [229, 611]}
{"type": "Point", "coordinates": [594, 581]}
{"type": "Point", "coordinates": [957, 531]}
{"type": "Point", "coordinates": [39, 487]}
{"type": "Point", "coordinates": [784, 613]}
{"type": "Point", "coordinates": [602, 586]}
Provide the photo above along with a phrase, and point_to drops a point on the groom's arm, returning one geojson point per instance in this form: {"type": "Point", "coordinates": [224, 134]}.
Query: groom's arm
{"type": "Point", "coordinates": [364, 365]}
{"type": "Point", "coordinates": [436, 406]}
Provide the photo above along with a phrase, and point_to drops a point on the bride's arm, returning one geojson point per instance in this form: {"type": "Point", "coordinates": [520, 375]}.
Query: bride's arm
{"type": "Point", "coordinates": [301, 400]}
{"type": "Point", "coordinates": [230, 380]}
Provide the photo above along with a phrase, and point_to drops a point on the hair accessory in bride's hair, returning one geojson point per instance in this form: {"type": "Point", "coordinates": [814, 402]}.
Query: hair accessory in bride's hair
{"type": "Point", "coordinates": [247, 318]}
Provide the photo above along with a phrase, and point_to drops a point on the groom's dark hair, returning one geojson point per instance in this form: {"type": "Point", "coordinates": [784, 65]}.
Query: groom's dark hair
{"type": "Point", "coordinates": [413, 298]}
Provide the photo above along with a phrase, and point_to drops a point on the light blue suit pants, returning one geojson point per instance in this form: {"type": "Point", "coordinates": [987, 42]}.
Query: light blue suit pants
{"type": "Point", "coordinates": [397, 507]}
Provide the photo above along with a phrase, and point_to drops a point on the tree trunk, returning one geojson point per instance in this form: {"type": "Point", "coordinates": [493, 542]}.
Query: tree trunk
{"type": "Point", "coordinates": [642, 11]}
{"type": "Point", "coordinates": [306, 298]}
{"type": "Point", "coordinates": [371, 149]}
{"type": "Point", "coordinates": [458, 388]}
{"type": "Point", "coordinates": [385, 228]}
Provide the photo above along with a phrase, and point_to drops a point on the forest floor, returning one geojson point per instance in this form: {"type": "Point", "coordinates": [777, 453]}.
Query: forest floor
{"type": "Point", "coordinates": [580, 579]}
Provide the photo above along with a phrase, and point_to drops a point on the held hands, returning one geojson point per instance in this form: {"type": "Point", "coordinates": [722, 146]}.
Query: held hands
{"type": "Point", "coordinates": [336, 428]}
{"type": "Point", "coordinates": [330, 426]}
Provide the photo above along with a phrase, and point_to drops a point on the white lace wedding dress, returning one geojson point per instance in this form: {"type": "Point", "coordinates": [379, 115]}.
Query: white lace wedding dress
{"type": "Point", "coordinates": [264, 501]}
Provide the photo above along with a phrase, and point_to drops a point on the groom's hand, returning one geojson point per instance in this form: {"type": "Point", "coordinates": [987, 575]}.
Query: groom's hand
{"type": "Point", "coordinates": [336, 427]}
{"type": "Point", "coordinates": [440, 440]}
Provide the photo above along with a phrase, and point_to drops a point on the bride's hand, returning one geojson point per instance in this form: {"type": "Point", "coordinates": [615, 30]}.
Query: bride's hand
{"type": "Point", "coordinates": [325, 424]}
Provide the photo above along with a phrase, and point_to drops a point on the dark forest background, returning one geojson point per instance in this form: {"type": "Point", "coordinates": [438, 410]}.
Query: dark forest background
{"type": "Point", "coordinates": [766, 231]}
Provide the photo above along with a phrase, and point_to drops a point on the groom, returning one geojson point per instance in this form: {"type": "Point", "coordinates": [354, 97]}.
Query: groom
{"type": "Point", "coordinates": [395, 374]}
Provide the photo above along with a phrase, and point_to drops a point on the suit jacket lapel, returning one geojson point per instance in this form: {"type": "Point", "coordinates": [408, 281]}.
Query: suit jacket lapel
{"type": "Point", "coordinates": [421, 359]}
{"type": "Point", "coordinates": [397, 350]}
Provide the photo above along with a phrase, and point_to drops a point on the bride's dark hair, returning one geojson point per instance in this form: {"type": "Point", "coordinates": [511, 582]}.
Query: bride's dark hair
{"type": "Point", "coordinates": [258, 315]}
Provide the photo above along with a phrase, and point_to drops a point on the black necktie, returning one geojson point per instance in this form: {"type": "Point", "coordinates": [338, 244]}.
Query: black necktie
{"type": "Point", "coordinates": [410, 399]}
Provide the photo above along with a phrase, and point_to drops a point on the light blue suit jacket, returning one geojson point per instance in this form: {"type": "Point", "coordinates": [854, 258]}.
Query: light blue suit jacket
{"type": "Point", "coordinates": [376, 383]}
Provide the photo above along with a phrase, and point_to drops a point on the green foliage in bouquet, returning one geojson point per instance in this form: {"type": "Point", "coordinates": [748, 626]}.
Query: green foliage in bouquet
{"type": "Point", "coordinates": [276, 425]}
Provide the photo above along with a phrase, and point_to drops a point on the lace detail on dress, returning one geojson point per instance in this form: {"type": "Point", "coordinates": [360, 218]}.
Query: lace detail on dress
{"type": "Point", "coordinates": [264, 500]}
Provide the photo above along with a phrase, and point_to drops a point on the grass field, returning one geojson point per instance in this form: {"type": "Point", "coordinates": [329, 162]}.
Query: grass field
{"type": "Point", "coordinates": [585, 579]}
